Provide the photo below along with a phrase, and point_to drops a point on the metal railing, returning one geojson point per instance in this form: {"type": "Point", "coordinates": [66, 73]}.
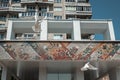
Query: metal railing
{"type": "Point", "coordinates": [25, 1]}
{"type": "Point", "coordinates": [79, 12]}
{"type": "Point", "coordinates": [11, 9]}
{"type": "Point", "coordinates": [17, 9]}
{"type": "Point", "coordinates": [31, 0]}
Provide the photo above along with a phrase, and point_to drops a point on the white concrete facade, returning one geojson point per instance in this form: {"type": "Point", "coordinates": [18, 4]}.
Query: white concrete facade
{"type": "Point", "coordinates": [76, 28]}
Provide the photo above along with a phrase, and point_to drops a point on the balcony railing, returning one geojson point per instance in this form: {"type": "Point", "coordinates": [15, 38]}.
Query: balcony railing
{"type": "Point", "coordinates": [29, 1]}
{"type": "Point", "coordinates": [12, 9]}
{"type": "Point", "coordinates": [77, 4]}
{"type": "Point", "coordinates": [79, 12]}
{"type": "Point", "coordinates": [17, 9]}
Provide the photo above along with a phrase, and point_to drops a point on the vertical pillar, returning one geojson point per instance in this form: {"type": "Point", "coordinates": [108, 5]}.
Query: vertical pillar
{"type": "Point", "coordinates": [18, 69]}
{"type": "Point", "coordinates": [36, 13]}
{"type": "Point", "coordinates": [79, 75]}
{"type": "Point", "coordinates": [109, 34]}
{"type": "Point", "coordinates": [76, 0]}
{"type": "Point", "coordinates": [4, 74]}
{"type": "Point", "coordinates": [9, 30]}
{"type": "Point", "coordinates": [43, 32]}
{"type": "Point", "coordinates": [42, 73]}
{"type": "Point", "coordinates": [111, 30]}
{"type": "Point", "coordinates": [76, 30]}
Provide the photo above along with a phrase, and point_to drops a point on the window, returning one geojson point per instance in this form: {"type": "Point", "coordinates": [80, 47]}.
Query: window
{"type": "Point", "coordinates": [23, 14]}
{"type": "Point", "coordinates": [58, 37]}
{"type": "Point", "coordinates": [1, 36]}
{"type": "Point", "coordinates": [69, 36]}
{"type": "Point", "coordinates": [4, 0]}
{"type": "Point", "coordinates": [57, 8]}
{"type": "Point", "coordinates": [79, 8]}
{"type": "Point", "coordinates": [70, 8]}
{"type": "Point", "coordinates": [3, 17]}
{"type": "Point", "coordinates": [31, 13]}
{"type": "Point", "coordinates": [57, 17]}
{"type": "Point", "coordinates": [2, 25]}
{"type": "Point", "coordinates": [46, 14]}
{"type": "Point", "coordinates": [81, 1]}
{"type": "Point", "coordinates": [14, 16]}
{"type": "Point", "coordinates": [31, 8]}
{"type": "Point", "coordinates": [3, 5]}
{"type": "Point", "coordinates": [57, 1]}
{"type": "Point", "coordinates": [43, 9]}
{"type": "Point", "coordinates": [70, 16]}
{"type": "Point", "coordinates": [49, 14]}
{"type": "Point", "coordinates": [83, 8]}
{"type": "Point", "coordinates": [16, 1]}
{"type": "Point", "coordinates": [70, 0]}
{"type": "Point", "coordinates": [28, 35]}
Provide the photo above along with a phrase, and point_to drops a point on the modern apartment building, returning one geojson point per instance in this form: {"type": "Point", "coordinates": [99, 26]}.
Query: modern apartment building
{"type": "Point", "coordinates": [56, 40]}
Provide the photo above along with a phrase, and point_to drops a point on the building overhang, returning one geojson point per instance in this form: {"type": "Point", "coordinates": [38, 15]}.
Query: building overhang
{"type": "Point", "coordinates": [59, 56]}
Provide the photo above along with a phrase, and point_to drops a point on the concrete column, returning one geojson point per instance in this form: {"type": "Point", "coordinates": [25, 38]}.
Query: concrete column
{"type": "Point", "coordinates": [42, 73]}
{"type": "Point", "coordinates": [36, 13]}
{"type": "Point", "coordinates": [79, 75]}
{"type": "Point", "coordinates": [9, 30]}
{"type": "Point", "coordinates": [76, 0]}
{"type": "Point", "coordinates": [76, 30]}
{"type": "Point", "coordinates": [4, 74]}
{"type": "Point", "coordinates": [18, 69]}
{"type": "Point", "coordinates": [109, 34]}
{"type": "Point", "coordinates": [44, 31]}
{"type": "Point", "coordinates": [114, 74]}
{"type": "Point", "coordinates": [111, 30]}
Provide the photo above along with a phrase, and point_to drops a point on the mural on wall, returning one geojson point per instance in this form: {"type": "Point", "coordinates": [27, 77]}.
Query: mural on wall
{"type": "Point", "coordinates": [51, 50]}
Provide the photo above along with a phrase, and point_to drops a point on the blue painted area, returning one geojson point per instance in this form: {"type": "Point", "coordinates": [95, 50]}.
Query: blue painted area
{"type": "Point", "coordinates": [107, 9]}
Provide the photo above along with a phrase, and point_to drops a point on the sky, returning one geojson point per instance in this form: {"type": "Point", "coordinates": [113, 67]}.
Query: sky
{"type": "Point", "coordinates": [107, 9]}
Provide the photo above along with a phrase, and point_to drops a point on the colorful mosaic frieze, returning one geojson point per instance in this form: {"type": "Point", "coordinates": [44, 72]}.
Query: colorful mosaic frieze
{"type": "Point", "coordinates": [59, 51]}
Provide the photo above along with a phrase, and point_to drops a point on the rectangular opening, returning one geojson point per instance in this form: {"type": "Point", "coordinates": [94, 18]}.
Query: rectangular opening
{"type": "Point", "coordinates": [99, 37]}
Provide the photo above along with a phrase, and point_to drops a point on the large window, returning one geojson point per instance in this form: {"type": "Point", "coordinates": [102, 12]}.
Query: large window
{"type": "Point", "coordinates": [57, 17]}
{"type": "Point", "coordinates": [57, 1]}
{"type": "Point", "coordinates": [83, 8]}
{"type": "Point", "coordinates": [59, 76]}
{"type": "Point", "coordinates": [3, 5]}
{"type": "Point", "coordinates": [30, 13]}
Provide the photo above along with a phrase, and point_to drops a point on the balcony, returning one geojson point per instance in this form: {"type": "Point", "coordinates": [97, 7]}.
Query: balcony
{"type": "Point", "coordinates": [27, 36]}
{"type": "Point", "coordinates": [77, 4]}
{"type": "Point", "coordinates": [78, 12]}
{"type": "Point", "coordinates": [4, 9]}
{"type": "Point", "coordinates": [2, 27]}
{"type": "Point", "coordinates": [36, 1]}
